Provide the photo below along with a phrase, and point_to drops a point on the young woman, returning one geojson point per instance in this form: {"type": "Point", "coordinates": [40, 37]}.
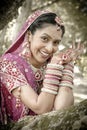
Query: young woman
{"type": "Point", "coordinates": [34, 78]}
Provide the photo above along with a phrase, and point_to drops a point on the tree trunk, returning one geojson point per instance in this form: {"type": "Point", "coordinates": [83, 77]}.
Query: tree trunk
{"type": "Point", "coordinates": [73, 118]}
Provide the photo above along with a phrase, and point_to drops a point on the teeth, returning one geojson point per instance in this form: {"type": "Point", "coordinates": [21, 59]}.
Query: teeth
{"type": "Point", "coordinates": [45, 54]}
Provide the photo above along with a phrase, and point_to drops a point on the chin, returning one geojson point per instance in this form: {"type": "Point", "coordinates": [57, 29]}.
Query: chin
{"type": "Point", "coordinates": [41, 62]}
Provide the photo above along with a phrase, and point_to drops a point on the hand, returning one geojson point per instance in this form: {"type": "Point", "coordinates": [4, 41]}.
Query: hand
{"type": "Point", "coordinates": [71, 54]}
{"type": "Point", "coordinates": [57, 58]}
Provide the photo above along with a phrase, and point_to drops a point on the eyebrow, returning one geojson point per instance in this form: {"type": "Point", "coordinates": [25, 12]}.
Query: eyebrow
{"type": "Point", "coordinates": [50, 37]}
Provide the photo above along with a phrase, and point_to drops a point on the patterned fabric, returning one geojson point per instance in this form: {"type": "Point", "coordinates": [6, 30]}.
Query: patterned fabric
{"type": "Point", "coordinates": [14, 72]}
{"type": "Point", "coordinates": [11, 76]}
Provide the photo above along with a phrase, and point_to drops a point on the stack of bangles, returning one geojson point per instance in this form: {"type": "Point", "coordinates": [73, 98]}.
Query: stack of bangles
{"type": "Point", "coordinates": [52, 77]}
{"type": "Point", "coordinates": [67, 78]}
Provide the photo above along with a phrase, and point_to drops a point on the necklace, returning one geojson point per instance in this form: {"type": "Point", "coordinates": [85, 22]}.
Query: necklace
{"type": "Point", "coordinates": [38, 73]}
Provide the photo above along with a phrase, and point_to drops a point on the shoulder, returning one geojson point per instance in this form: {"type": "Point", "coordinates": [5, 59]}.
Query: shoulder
{"type": "Point", "coordinates": [9, 56]}
{"type": "Point", "coordinates": [10, 61]}
{"type": "Point", "coordinates": [14, 58]}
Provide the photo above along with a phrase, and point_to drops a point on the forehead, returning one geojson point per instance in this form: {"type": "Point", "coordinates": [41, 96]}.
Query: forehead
{"type": "Point", "coordinates": [50, 30]}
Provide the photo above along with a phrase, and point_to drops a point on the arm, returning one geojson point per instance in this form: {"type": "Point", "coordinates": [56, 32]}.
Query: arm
{"type": "Point", "coordinates": [45, 100]}
{"type": "Point", "coordinates": [16, 84]}
{"type": "Point", "coordinates": [41, 103]}
{"type": "Point", "coordinates": [64, 98]}
{"type": "Point", "coordinates": [38, 103]}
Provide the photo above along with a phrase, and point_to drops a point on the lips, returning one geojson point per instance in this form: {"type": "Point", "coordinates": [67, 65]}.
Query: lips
{"type": "Point", "coordinates": [44, 54]}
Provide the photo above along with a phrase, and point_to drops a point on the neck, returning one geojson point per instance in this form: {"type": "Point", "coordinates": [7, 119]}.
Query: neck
{"type": "Point", "coordinates": [34, 64]}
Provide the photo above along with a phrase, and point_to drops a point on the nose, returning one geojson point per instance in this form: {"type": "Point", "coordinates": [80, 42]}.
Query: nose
{"type": "Point", "coordinates": [50, 48]}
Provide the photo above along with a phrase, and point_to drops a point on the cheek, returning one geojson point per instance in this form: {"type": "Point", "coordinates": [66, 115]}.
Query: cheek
{"type": "Point", "coordinates": [34, 48]}
{"type": "Point", "coordinates": [56, 49]}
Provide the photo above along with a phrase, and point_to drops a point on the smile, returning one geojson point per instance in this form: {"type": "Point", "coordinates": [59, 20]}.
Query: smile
{"type": "Point", "coordinates": [44, 54]}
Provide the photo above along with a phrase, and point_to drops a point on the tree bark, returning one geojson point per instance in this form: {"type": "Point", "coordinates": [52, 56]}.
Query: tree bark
{"type": "Point", "coordinates": [8, 10]}
{"type": "Point", "coordinates": [73, 118]}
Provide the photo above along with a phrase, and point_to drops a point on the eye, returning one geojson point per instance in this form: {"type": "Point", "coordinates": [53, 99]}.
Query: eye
{"type": "Point", "coordinates": [56, 43]}
{"type": "Point", "coordinates": [44, 39]}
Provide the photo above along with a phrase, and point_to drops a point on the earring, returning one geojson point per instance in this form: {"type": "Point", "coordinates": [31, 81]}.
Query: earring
{"type": "Point", "coordinates": [26, 52]}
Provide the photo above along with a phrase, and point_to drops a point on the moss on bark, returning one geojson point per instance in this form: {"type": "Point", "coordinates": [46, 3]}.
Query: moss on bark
{"type": "Point", "coordinates": [73, 118]}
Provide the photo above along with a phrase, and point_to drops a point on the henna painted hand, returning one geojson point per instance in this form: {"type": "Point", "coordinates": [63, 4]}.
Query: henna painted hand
{"type": "Point", "coordinates": [71, 54]}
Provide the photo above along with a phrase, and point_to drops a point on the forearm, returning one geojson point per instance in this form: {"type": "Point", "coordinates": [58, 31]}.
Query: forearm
{"type": "Point", "coordinates": [45, 101]}
{"type": "Point", "coordinates": [65, 96]}
{"type": "Point", "coordinates": [38, 103]}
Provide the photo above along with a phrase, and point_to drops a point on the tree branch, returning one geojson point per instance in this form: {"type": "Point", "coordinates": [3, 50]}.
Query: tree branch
{"type": "Point", "coordinates": [73, 118]}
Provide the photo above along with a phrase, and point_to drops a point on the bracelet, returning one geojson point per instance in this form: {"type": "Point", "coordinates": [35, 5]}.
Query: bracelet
{"type": "Point", "coordinates": [66, 85]}
{"type": "Point", "coordinates": [54, 72]}
{"type": "Point", "coordinates": [68, 74]}
{"type": "Point", "coordinates": [51, 88]}
{"type": "Point", "coordinates": [52, 82]}
{"type": "Point", "coordinates": [52, 76]}
{"type": "Point", "coordinates": [49, 91]}
{"type": "Point", "coordinates": [67, 78]}
{"type": "Point", "coordinates": [67, 71]}
{"type": "Point", "coordinates": [67, 81]}
{"type": "Point", "coordinates": [69, 68]}
{"type": "Point", "coordinates": [55, 66]}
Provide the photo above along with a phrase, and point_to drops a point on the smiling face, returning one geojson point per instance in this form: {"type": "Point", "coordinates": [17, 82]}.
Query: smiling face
{"type": "Point", "coordinates": [43, 43]}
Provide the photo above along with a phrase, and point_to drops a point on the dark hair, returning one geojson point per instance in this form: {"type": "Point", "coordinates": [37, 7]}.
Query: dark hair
{"type": "Point", "coordinates": [43, 19]}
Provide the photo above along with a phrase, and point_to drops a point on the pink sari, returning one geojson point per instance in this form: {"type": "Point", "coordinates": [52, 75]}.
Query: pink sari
{"type": "Point", "coordinates": [15, 72]}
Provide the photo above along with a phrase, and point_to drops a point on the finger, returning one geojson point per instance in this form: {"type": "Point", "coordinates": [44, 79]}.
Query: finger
{"type": "Point", "coordinates": [81, 49]}
{"type": "Point", "coordinates": [73, 45]}
{"type": "Point", "coordinates": [69, 51]}
{"type": "Point", "coordinates": [79, 46]}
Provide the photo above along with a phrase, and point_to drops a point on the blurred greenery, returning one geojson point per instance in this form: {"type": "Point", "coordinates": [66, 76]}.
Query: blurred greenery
{"type": "Point", "coordinates": [73, 13]}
